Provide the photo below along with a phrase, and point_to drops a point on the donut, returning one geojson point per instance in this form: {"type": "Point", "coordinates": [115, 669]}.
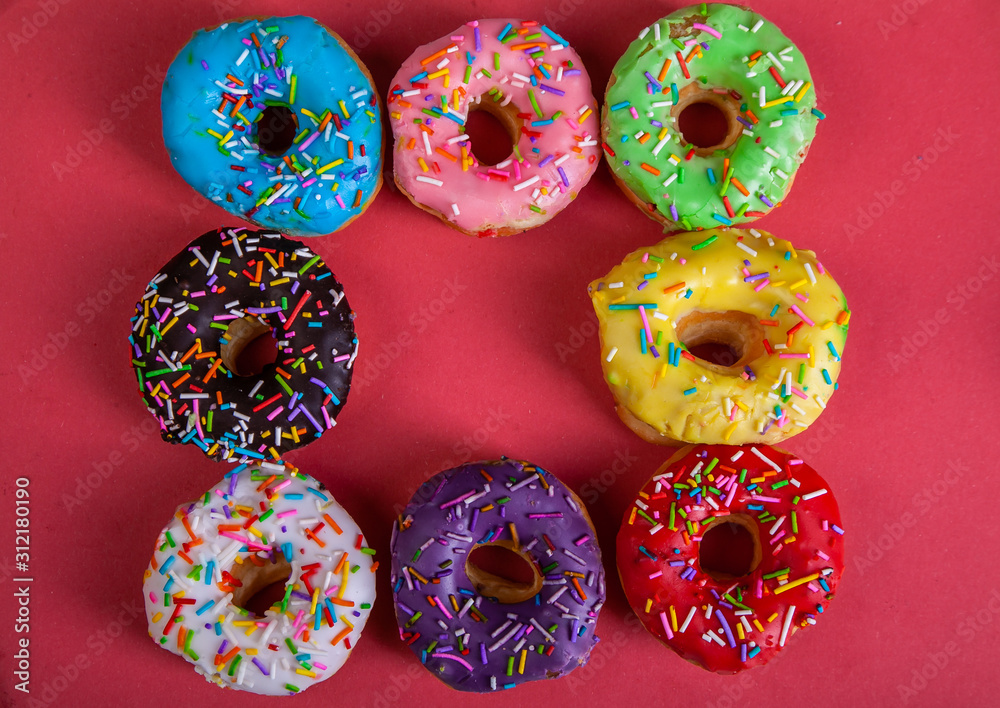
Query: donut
{"type": "Point", "coordinates": [473, 627]}
{"type": "Point", "coordinates": [264, 583]}
{"type": "Point", "coordinates": [728, 551]}
{"type": "Point", "coordinates": [707, 117]}
{"type": "Point", "coordinates": [534, 84]}
{"type": "Point", "coordinates": [720, 336]}
{"type": "Point", "coordinates": [277, 121]}
{"type": "Point", "coordinates": [202, 309]}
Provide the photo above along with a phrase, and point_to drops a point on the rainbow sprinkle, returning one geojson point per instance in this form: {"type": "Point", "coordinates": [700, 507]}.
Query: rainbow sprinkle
{"type": "Point", "coordinates": [261, 524]}
{"type": "Point", "coordinates": [180, 337]}
{"type": "Point", "coordinates": [704, 613]}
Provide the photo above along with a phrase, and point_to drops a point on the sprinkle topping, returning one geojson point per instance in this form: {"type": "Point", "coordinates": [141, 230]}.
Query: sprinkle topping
{"type": "Point", "coordinates": [757, 80]}
{"type": "Point", "coordinates": [468, 640]}
{"type": "Point", "coordinates": [529, 78]}
{"type": "Point", "coordinates": [224, 289]}
{"type": "Point", "coordinates": [275, 122]}
{"type": "Point", "coordinates": [776, 318]}
{"type": "Point", "coordinates": [721, 622]}
{"type": "Point", "coordinates": [261, 524]}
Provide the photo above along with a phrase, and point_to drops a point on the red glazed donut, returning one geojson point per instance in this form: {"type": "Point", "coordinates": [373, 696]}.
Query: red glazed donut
{"type": "Point", "coordinates": [727, 551]}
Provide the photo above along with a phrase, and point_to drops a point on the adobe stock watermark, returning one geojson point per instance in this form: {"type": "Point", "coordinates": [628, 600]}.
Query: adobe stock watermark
{"type": "Point", "coordinates": [194, 206]}
{"type": "Point", "coordinates": [562, 12]}
{"type": "Point", "coordinates": [922, 502]}
{"type": "Point", "coordinates": [225, 9]}
{"type": "Point", "coordinates": [900, 15]}
{"type": "Point", "coordinates": [576, 338]}
{"type": "Point", "coordinates": [121, 108]}
{"type": "Point", "coordinates": [969, 626]}
{"type": "Point", "coordinates": [61, 679]}
{"type": "Point", "coordinates": [736, 687]}
{"type": "Point", "coordinates": [31, 25]}
{"type": "Point", "coordinates": [956, 301]}
{"type": "Point", "coordinates": [464, 450]}
{"type": "Point", "coordinates": [397, 686]}
{"type": "Point", "coordinates": [605, 651]}
{"type": "Point", "coordinates": [370, 367]}
{"type": "Point", "coordinates": [731, 695]}
{"type": "Point", "coordinates": [197, 202]}
{"type": "Point", "coordinates": [6, 569]}
{"type": "Point", "coordinates": [86, 484]}
{"type": "Point", "coordinates": [375, 23]}
{"type": "Point", "coordinates": [87, 310]}
{"type": "Point", "coordinates": [596, 486]}
{"type": "Point", "coordinates": [822, 433]}
{"type": "Point", "coordinates": [913, 169]}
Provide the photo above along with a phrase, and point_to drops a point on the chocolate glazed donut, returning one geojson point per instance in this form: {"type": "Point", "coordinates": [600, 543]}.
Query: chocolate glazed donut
{"type": "Point", "coordinates": [201, 310]}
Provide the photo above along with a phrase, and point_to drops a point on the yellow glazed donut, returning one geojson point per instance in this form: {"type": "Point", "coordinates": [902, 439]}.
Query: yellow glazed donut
{"type": "Point", "coordinates": [720, 336]}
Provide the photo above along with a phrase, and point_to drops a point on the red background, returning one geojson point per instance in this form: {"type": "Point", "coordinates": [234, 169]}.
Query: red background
{"type": "Point", "coordinates": [912, 108]}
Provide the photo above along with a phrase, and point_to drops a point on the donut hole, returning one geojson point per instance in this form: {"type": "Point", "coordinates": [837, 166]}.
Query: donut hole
{"type": "Point", "coordinates": [262, 585]}
{"type": "Point", "coordinates": [276, 130]}
{"type": "Point", "coordinates": [246, 351]}
{"type": "Point", "coordinates": [730, 548]}
{"type": "Point", "coordinates": [706, 120]}
{"type": "Point", "coordinates": [722, 341]}
{"type": "Point", "coordinates": [501, 570]}
{"type": "Point", "coordinates": [703, 124]}
{"type": "Point", "coordinates": [718, 353]}
{"type": "Point", "coordinates": [257, 355]}
{"type": "Point", "coordinates": [493, 130]}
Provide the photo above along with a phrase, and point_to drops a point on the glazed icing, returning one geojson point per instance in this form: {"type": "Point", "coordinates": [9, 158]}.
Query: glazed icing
{"type": "Point", "coordinates": [214, 93]}
{"type": "Point", "coordinates": [731, 624]}
{"type": "Point", "coordinates": [268, 514]}
{"type": "Point", "coordinates": [730, 50]}
{"type": "Point", "coordinates": [803, 316]}
{"type": "Point", "coordinates": [180, 327]}
{"type": "Point", "coordinates": [472, 642]}
{"type": "Point", "coordinates": [508, 62]}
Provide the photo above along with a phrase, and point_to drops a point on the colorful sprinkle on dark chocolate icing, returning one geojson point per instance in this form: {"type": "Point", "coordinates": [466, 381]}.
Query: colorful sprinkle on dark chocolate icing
{"type": "Point", "coordinates": [223, 289]}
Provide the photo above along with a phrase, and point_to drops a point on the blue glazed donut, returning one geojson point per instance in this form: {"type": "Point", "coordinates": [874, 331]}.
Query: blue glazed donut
{"type": "Point", "coordinates": [277, 121]}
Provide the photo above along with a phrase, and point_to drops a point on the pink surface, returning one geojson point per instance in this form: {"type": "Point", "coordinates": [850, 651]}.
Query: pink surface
{"type": "Point", "coordinates": [472, 349]}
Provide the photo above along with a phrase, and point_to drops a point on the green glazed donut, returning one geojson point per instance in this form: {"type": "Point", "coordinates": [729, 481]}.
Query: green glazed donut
{"type": "Point", "coordinates": [750, 76]}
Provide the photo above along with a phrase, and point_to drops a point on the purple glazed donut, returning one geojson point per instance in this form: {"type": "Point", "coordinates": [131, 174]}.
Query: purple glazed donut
{"type": "Point", "coordinates": [478, 631]}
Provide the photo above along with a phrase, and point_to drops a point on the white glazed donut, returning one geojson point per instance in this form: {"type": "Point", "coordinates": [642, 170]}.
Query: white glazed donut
{"type": "Point", "coordinates": [256, 527]}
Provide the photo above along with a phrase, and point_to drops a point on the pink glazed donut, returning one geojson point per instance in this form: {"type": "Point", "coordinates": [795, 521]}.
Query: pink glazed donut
{"type": "Point", "coordinates": [534, 84]}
